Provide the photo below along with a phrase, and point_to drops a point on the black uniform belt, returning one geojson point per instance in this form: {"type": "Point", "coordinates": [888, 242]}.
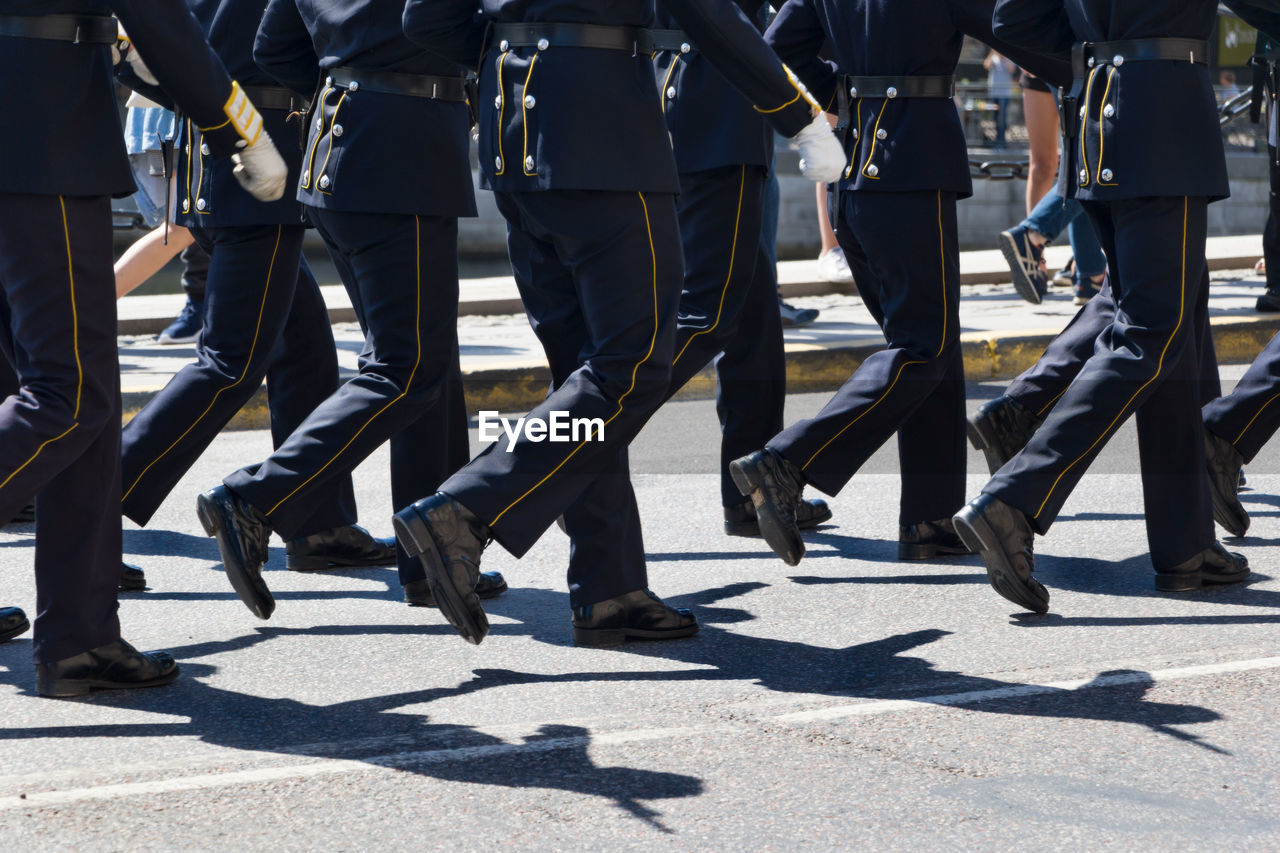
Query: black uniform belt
{"type": "Point", "coordinates": [274, 98]}
{"type": "Point", "coordinates": [391, 83]}
{"type": "Point", "coordinates": [1146, 50]}
{"type": "Point", "coordinates": [77, 29]}
{"type": "Point", "coordinates": [676, 41]}
{"type": "Point", "coordinates": [914, 86]}
{"type": "Point", "coordinates": [634, 40]}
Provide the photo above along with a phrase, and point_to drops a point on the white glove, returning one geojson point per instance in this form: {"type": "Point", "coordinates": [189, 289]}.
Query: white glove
{"type": "Point", "coordinates": [124, 49]}
{"type": "Point", "coordinates": [822, 156]}
{"type": "Point", "coordinates": [260, 169]}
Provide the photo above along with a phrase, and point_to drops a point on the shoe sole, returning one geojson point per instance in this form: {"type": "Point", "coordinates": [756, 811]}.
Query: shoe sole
{"type": "Point", "coordinates": [1196, 580]}
{"type": "Point", "coordinates": [980, 441]}
{"type": "Point", "coordinates": [1023, 285]}
{"type": "Point", "coordinates": [604, 638]}
{"type": "Point", "coordinates": [491, 592]}
{"type": "Point", "coordinates": [132, 586]}
{"type": "Point", "coordinates": [976, 534]}
{"type": "Point", "coordinates": [929, 552]}
{"type": "Point", "coordinates": [62, 688]}
{"type": "Point", "coordinates": [752, 529]}
{"type": "Point", "coordinates": [253, 592]}
{"type": "Point", "coordinates": [320, 564]}
{"type": "Point", "coordinates": [789, 549]}
{"type": "Point", "coordinates": [415, 537]}
{"type": "Point", "coordinates": [15, 631]}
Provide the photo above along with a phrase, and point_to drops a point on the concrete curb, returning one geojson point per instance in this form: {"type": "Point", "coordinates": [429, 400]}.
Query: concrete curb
{"type": "Point", "coordinates": [809, 368]}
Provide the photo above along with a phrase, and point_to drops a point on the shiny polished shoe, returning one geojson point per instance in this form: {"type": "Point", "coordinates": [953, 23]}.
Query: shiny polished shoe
{"type": "Point", "coordinates": [1224, 463]}
{"type": "Point", "coordinates": [348, 547]}
{"type": "Point", "coordinates": [26, 515]}
{"type": "Point", "coordinates": [740, 520]}
{"type": "Point", "coordinates": [115, 666]}
{"type": "Point", "coordinates": [449, 540]}
{"type": "Point", "coordinates": [1000, 428]}
{"type": "Point", "coordinates": [1269, 301]}
{"type": "Point", "coordinates": [928, 539]}
{"type": "Point", "coordinates": [12, 623]}
{"type": "Point", "coordinates": [242, 534]}
{"type": "Point", "coordinates": [774, 486]}
{"type": "Point", "coordinates": [636, 615]}
{"type": "Point", "coordinates": [490, 585]}
{"type": "Point", "coordinates": [1003, 536]}
{"type": "Point", "coordinates": [1213, 565]}
{"type": "Point", "coordinates": [132, 578]}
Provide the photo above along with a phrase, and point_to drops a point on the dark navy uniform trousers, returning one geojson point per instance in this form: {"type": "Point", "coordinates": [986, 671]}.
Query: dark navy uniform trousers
{"type": "Point", "coordinates": [1146, 361]}
{"type": "Point", "coordinates": [728, 294]}
{"type": "Point", "coordinates": [902, 249]}
{"type": "Point", "coordinates": [1250, 414]}
{"type": "Point", "coordinates": [62, 429]}
{"type": "Point", "coordinates": [263, 316]}
{"type": "Point", "coordinates": [600, 275]}
{"type": "Point", "coordinates": [401, 272]}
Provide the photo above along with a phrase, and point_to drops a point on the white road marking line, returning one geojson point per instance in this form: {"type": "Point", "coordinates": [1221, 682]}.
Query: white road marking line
{"type": "Point", "coordinates": [396, 760]}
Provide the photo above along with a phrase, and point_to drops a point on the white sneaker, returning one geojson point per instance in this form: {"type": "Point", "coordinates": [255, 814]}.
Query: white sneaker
{"type": "Point", "coordinates": [833, 267]}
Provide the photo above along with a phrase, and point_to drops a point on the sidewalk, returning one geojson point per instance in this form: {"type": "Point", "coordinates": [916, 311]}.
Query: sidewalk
{"type": "Point", "coordinates": [505, 369]}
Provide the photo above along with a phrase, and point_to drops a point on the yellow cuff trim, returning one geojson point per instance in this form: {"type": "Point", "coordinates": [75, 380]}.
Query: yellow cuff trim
{"type": "Point", "coordinates": [241, 114]}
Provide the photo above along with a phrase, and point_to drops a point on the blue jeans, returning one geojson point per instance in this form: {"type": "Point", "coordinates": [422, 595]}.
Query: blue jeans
{"type": "Point", "coordinates": [1052, 214]}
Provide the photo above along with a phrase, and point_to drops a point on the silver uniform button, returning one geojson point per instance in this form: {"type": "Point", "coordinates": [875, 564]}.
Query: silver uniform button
{"type": "Point", "coordinates": [324, 181]}
{"type": "Point", "coordinates": [1091, 61]}
{"type": "Point", "coordinates": [891, 92]}
{"type": "Point", "coordinates": [685, 47]}
{"type": "Point", "coordinates": [1107, 175]}
{"type": "Point", "coordinates": [328, 81]}
{"type": "Point", "coordinates": [186, 205]}
{"type": "Point", "coordinates": [671, 92]}
{"type": "Point", "coordinates": [1108, 111]}
{"type": "Point", "coordinates": [855, 133]}
{"type": "Point", "coordinates": [528, 163]}
{"type": "Point", "coordinates": [320, 123]}
{"type": "Point", "coordinates": [543, 44]}
{"type": "Point", "coordinates": [873, 170]}
{"type": "Point", "coordinates": [497, 102]}
{"type": "Point", "coordinates": [337, 130]}
{"type": "Point", "coordinates": [354, 87]}
{"type": "Point", "coordinates": [201, 204]}
{"type": "Point", "coordinates": [529, 102]}
{"type": "Point", "coordinates": [882, 134]}
{"type": "Point", "coordinates": [504, 45]}
{"type": "Point", "coordinates": [1084, 176]}
{"type": "Point", "coordinates": [204, 148]}
{"type": "Point", "coordinates": [853, 91]}
{"type": "Point", "coordinates": [497, 163]}
{"type": "Point", "coordinates": [1117, 60]}
{"type": "Point", "coordinates": [1083, 111]}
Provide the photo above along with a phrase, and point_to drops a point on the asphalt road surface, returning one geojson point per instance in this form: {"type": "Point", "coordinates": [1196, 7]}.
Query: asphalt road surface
{"type": "Point", "coordinates": [851, 702]}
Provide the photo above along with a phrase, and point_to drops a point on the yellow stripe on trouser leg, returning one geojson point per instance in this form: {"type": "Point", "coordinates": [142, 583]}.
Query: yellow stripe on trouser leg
{"type": "Point", "coordinates": [1182, 303]}
{"type": "Point", "coordinates": [733, 254]}
{"type": "Point", "coordinates": [653, 255]}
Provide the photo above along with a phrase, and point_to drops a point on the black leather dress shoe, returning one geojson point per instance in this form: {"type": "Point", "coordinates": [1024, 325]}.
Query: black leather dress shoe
{"type": "Point", "coordinates": [1224, 463]}
{"type": "Point", "coordinates": [132, 578]}
{"type": "Point", "coordinates": [26, 515]}
{"type": "Point", "coordinates": [115, 666]}
{"type": "Point", "coordinates": [1003, 536]}
{"type": "Point", "coordinates": [448, 539]}
{"type": "Point", "coordinates": [1269, 301]}
{"type": "Point", "coordinates": [774, 486]}
{"type": "Point", "coordinates": [1213, 565]}
{"type": "Point", "coordinates": [490, 585]}
{"type": "Point", "coordinates": [636, 615]}
{"type": "Point", "coordinates": [740, 520]}
{"type": "Point", "coordinates": [242, 534]}
{"type": "Point", "coordinates": [349, 547]}
{"type": "Point", "coordinates": [12, 623]}
{"type": "Point", "coordinates": [928, 539]}
{"type": "Point", "coordinates": [1000, 428]}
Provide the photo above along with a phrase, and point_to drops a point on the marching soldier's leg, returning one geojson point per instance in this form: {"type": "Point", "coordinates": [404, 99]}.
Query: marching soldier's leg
{"type": "Point", "coordinates": [406, 280]}
{"type": "Point", "coordinates": [1270, 301]}
{"type": "Point", "coordinates": [61, 430]}
{"type": "Point", "coordinates": [253, 271]}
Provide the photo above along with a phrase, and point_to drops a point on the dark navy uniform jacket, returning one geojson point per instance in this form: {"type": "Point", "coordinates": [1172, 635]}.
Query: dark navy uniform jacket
{"type": "Point", "coordinates": [1150, 128]}
{"type": "Point", "coordinates": [586, 118]}
{"type": "Point", "coordinates": [70, 141]}
{"type": "Point", "coordinates": [368, 151]}
{"type": "Point", "coordinates": [710, 122]}
{"type": "Point", "coordinates": [207, 192]}
{"type": "Point", "coordinates": [903, 144]}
